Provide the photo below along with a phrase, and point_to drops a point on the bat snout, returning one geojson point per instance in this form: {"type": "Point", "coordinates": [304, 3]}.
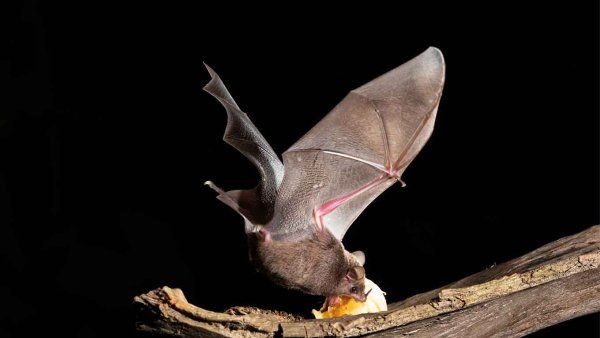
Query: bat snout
{"type": "Point", "coordinates": [362, 297]}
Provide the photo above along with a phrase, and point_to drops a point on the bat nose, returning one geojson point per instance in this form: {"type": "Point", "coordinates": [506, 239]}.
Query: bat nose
{"type": "Point", "coordinates": [364, 296]}
{"type": "Point", "coordinates": [361, 297]}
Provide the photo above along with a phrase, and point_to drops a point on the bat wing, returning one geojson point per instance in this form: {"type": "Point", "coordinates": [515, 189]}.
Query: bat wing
{"type": "Point", "coordinates": [359, 149]}
{"type": "Point", "coordinates": [255, 205]}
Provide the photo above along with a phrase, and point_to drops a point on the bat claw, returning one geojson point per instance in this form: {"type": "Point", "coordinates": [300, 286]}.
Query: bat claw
{"type": "Point", "coordinates": [214, 187]}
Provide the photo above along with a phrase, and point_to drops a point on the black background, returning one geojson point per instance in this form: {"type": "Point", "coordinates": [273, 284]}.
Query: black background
{"type": "Point", "coordinates": [108, 138]}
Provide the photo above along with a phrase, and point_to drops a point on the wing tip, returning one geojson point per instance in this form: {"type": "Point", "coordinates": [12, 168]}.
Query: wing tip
{"type": "Point", "coordinates": [437, 54]}
{"type": "Point", "coordinates": [217, 89]}
{"type": "Point", "coordinates": [434, 67]}
{"type": "Point", "coordinates": [434, 55]}
{"type": "Point", "coordinates": [214, 78]}
{"type": "Point", "coordinates": [428, 66]}
{"type": "Point", "coordinates": [434, 51]}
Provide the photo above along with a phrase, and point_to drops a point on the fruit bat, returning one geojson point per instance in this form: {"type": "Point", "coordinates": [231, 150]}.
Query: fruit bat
{"type": "Point", "coordinates": [297, 215]}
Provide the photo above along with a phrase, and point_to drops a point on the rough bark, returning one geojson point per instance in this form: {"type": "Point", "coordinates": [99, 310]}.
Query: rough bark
{"type": "Point", "coordinates": [556, 282]}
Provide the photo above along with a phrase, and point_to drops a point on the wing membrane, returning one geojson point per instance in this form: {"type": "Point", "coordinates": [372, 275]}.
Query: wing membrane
{"type": "Point", "coordinates": [360, 148]}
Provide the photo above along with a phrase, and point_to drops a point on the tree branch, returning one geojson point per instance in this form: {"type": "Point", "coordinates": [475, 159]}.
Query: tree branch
{"type": "Point", "coordinates": [556, 282]}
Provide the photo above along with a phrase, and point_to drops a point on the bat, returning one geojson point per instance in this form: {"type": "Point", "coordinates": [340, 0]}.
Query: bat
{"type": "Point", "coordinates": [297, 215]}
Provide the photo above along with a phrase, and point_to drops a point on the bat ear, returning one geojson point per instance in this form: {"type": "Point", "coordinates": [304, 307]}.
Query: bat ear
{"type": "Point", "coordinates": [356, 273]}
{"type": "Point", "coordinates": [360, 257]}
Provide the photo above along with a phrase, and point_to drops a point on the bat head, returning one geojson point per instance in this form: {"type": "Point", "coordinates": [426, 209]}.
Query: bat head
{"type": "Point", "coordinates": [353, 282]}
{"type": "Point", "coordinates": [317, 265]}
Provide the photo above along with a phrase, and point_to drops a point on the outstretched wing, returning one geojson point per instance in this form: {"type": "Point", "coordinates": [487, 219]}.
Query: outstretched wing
{"type": "Point", "coordinates": [359, 149]}
{"type": "Point", "coordinates": [255, 205]}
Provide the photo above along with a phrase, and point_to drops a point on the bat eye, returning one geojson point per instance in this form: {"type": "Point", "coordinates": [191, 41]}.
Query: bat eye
{"type": "Point", "coordinates": [353, 289]}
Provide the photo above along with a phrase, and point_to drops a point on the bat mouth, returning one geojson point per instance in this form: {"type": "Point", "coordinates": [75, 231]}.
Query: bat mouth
{"type": "Point", "coordinates": [332, 300]}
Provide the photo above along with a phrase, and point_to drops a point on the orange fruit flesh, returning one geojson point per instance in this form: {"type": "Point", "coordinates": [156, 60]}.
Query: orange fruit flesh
{"type": "Point", "coordinates": [349, 306]}
{"type": "Point", "coordinates": [346, 306]}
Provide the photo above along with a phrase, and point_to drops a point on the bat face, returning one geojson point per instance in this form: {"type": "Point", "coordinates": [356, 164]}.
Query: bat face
{"type": "Point", "coordinates": [353, 284]}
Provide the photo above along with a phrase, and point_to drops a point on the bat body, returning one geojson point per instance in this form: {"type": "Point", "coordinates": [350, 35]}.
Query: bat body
{"type": "Point", "coordinates": [296, 217]}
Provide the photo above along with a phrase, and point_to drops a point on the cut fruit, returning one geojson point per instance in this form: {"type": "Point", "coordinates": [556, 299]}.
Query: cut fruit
{"type": "Point", "coordinates": [349, 306]}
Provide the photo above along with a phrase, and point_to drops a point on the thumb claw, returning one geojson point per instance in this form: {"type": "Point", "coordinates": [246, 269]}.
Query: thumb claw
{"type": "Point", "coordinates": [211, 185]}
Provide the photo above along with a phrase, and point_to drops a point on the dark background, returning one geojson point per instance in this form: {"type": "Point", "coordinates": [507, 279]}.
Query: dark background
{"type": "Point", "coordinates": [107, 138]}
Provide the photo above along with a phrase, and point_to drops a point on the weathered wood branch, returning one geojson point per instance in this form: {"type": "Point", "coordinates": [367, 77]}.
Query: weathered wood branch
{"type": "Point", "coordinates": [556, 282]}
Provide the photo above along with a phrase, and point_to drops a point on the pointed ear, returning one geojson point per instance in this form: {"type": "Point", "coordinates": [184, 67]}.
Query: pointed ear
{"type": "Point", "coordinates": [360, 257]}
{"type": "Point", "coordinates": [356, 273]}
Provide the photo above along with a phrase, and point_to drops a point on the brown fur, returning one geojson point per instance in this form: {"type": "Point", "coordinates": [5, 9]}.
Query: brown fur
{"type": "Point", "coordinates": [317, 265]}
